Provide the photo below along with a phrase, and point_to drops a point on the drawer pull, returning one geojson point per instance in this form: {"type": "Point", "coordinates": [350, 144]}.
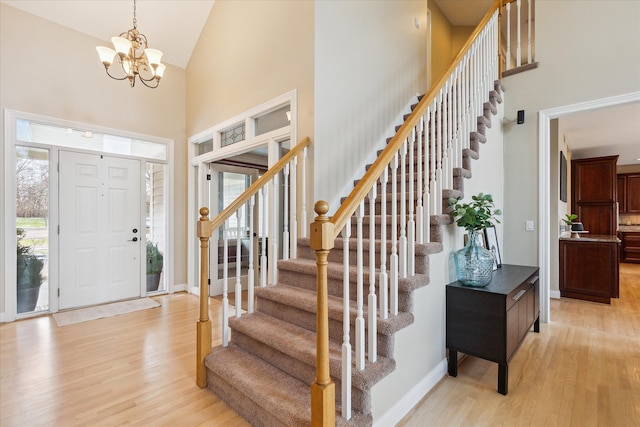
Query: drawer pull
{"type": "Point", "coordinates": [519, 294]}
{"type": "Point", "coordinates": [533, 280]}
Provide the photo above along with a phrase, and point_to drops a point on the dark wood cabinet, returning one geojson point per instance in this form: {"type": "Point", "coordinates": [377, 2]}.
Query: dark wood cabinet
{"type": "Point", "coordinates": [629, 193]}
{"type": "Point", "coordinates": [594, 193]}
{"type": "Point", "coordinates": [589, 268]}
{"type": "Point", "coordinates": [491, 322]}
{"type": "Point", "coordinates": [630, 247]}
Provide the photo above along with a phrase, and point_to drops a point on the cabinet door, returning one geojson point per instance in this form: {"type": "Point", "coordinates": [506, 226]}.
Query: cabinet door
{"type": "Point", "coordinates": [594, 180]}
{"type": "Point", "coordinates": [633, 194]}
{"type": "Point", "coordinates": [598, 218]}
{"type": "Point", "coordinates": [622, 193]}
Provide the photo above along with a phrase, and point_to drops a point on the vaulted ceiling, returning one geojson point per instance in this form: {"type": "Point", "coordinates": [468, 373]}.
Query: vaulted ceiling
{"type": "Point", "coordinates": [174, 27]}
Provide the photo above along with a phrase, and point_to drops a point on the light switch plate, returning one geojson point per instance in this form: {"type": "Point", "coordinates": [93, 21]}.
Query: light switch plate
{"type": "Point", "coordinates": [529, 225]}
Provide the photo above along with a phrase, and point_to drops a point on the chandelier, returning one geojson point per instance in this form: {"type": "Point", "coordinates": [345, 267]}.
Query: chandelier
{"type": "Point", "coordinates": [134, 57]}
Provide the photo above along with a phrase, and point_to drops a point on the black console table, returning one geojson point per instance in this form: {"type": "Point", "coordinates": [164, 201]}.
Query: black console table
{"type": "Point", "coordinates": [491, 322]}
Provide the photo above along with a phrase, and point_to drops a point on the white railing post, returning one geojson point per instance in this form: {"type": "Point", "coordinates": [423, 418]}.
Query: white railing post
{"type": "Point", "coordinates": [393, 260]}
{"type": "Point", "coordinates": [273, 257]}
{"type": "Point", "coordinates": [238, 290]}
{"type": "Point", "coordinates": [508, 35]}
{"type": "Point", "coordinates": [225, 286]}
{"type": "Point", "coordinates": [518, 37]}
{"type": "Point", "coordinates": [303, 202]}
{"type": "Point", "coordinates": [250, 270]}
{"type": "Point", "coordinates": [294, 208]}
{"type": "Point", "coordinates": [346, 326]}
{"type": "Point", "coordinates": [360, 333]}
{"type": "Point", "coordinates": [372, 302]}
{"type": "Point", "coordinates": [383, 279]}
{"type": "Point", "coordinates": [402, 249]}
{"type": "Point", "coordinates": [432, 158]}
{"type": "Point", "coordinates": [285, 213]}
{"type": "Point", "coordinates": [263, 255]}
{"type": "Point", "coordinates": [411, 225]}
{"type": "Point", "coordinates": [419, 181]}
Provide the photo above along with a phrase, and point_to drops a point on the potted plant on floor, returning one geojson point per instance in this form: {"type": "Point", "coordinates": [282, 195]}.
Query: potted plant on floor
{"type": "Point", "coordinates": [28, 275]}
{"type": "Point", "coordinates": [155, 262]}
{"type": "Point", "coordinates": [474, 263]}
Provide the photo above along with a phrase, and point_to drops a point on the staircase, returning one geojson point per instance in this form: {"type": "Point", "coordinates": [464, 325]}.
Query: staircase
{"type": "Point", "coordinates": [265, 371]}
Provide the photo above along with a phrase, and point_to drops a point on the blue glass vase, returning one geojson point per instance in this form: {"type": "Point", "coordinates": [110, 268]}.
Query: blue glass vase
{"type": "Point", "coordinates": [474, 264]}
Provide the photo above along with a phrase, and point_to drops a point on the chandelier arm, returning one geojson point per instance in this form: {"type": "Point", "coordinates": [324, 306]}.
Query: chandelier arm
{"type": "Point", "coordinates": [113, 77]}
{"type": "Point", "coordinates": [144, 82]}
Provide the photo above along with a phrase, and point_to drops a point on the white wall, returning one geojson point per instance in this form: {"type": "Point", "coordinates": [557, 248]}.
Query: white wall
{"type": "Point", "coordinates": [370, 59]}
{"type": "Point", "coordinates": [586, 50]}
{"type": "Point", "coordinates": [50, 70]}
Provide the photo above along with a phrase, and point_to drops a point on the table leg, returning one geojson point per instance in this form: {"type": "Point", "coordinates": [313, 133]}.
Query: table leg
{"type": "Point", "coordinates": [503, 378]}
{"type": "Point", "coordinates": [453, 363]}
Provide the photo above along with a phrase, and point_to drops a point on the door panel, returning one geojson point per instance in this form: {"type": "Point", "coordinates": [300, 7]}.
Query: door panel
{"type": "Point", "coordinates": [99, 208]}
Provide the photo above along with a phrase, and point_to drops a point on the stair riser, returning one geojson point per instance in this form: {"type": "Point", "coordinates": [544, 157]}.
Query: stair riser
{"type": "Point", "coordinates": [307, 320]}
{"type": "Point", "coordinates": [337, 255]}
{"type": "Point", "coordinates": [334, 286]}
{"type": "Point", "coordinates": [360, 400]}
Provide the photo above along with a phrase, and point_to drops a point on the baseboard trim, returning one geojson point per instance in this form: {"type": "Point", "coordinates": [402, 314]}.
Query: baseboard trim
{"type": "Point", "coordinates": [179, 288]}
{"type": "Point", "coordinates": [401, 408]}
{"type": "Point", "coordinates": [554, 294]}
{"type": "Point", "coordinates": [3, 318]}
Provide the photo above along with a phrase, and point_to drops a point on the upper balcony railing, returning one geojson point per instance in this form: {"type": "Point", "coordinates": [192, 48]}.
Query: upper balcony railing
{"type": "Point", "coordinates": [517, 36]}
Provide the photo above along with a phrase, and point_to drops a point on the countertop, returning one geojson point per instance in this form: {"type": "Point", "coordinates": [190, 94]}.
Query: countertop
{"type": "Point", "coordinates": [593, 238]}
{"type": "Point", "coordinates": [629, 228]}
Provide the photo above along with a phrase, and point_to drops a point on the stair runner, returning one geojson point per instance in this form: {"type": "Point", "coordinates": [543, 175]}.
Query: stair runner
{"type": "Point", "coordinates": [266, 371]}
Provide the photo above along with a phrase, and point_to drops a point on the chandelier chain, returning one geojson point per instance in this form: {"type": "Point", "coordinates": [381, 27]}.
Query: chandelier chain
{"type": "Point", "coordinates": [135, 21]}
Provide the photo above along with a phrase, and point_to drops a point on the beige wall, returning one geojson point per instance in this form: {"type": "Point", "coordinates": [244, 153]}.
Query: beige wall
{"type": "Point", "coordinates": [596, 59]}
{"type": "Point", "coordinates": [442, 34]}
{"type": "Point", "coordinates": [37, 77]}
{"type": "Point", "coordinates": [248, 53]}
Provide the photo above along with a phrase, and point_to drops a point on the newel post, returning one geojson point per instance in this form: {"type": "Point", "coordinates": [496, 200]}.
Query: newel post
{"type": "Point", "coordinates": [204, 324]}
{"type": "Point", "coordinates": [323, 392]}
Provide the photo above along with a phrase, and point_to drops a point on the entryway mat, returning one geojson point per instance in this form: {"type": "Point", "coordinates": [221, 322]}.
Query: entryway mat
{"type": "Point", "coordinates": [101, 311]}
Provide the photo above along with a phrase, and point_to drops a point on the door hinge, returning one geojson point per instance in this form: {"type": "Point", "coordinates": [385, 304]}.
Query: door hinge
{"type": "Point", "coordinates": [208, 281]}
{"type": "Point", "coordinates": [58, 166]}
{"type": "Point", "coordinates": [208, 177]}
{"type": "Point", "coordinates": [58, 292]}
{"type": "Point", "coordinates": [58, 228]}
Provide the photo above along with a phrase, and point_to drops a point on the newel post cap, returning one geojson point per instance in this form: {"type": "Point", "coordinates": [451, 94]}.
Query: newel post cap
{"type": "Point", "coordinates": [321, 230]}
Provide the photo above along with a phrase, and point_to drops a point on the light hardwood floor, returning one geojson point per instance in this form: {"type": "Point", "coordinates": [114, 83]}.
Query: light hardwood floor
{"type": "Point", "coordinates": [583, 369]}
{"type": "Point", "coordinates": [138, 369]}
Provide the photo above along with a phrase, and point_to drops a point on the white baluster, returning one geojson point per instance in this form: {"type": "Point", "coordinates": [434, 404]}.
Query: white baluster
{"type": "Point", "coordinates": [445, 136]}
{"type": "Point", "coordinates": [238, 263]}
{"type": "Point", "coordinates": [251, 271]}
{"type": "Point", "coordinates": [263, 257]}
{"type": "Point", "coordinates": [294, 209]}
{"type": "Point", "coordinates": [285, 213]}
{"type": "Point", "coordinates": [346, 326]}
{"type": "Point", "coordinates": [360, 333]}
{"type": "Point", "coordinates": [402, 243]}
{"type": "Point", "coordinates": [225, 286]}
{"type": "Point", "coordinates": [432, 159]}
{"type": "Point", "coordinates": [426, 211]}
{"type": "Point", "coordinates": [411, 224]}
{"type": "Point", "coordinates": [273, 258]}
{"type": "Point", "coordinates": [372, 302]}
{"type": "Point", "coordinates": [303, 202]}
{"type": "Point", "coordinates": [440, 115]}
{"type": "Point", "coordinates": [393, 260]}
{"type": "Point", "coordinates": [419, 181]}
{"type": "Point", "coordinates": [383, 279]}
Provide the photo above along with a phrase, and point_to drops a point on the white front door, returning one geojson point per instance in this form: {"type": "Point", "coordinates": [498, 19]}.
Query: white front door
{"type": "Point", "coordinates": [100, 232]}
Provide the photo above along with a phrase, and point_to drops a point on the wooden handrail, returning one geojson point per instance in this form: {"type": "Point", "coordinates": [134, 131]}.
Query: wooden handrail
{"type": "Point", "coordinates": [362, 188]}
{"type": "Point", "coordinates": [258, 184]}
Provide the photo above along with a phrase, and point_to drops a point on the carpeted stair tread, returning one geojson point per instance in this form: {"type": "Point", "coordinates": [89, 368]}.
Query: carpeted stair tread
{"type": "Point", "coordinates": [283, 396]}
{"type": "Point", "coordinates": [306, 300]}
{"type": "Point", "coordinates": [422, 249]}
{"type": "Point", "coordinates": [300, 344]}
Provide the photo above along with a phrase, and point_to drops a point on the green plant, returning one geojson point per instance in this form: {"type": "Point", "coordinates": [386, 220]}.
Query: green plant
{"type": "Point", "coordinates": [480, 213]}
{"type": "Point", "coordinates": [154, 258]}
{"type": "Point", "coordinates": [29, 266]}
{"type": "Point", "coordinates": [570, 219]}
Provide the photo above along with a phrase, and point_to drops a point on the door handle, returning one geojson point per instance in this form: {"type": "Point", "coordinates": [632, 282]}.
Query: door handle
{"type": "Point", "coordinates": [135, 239]}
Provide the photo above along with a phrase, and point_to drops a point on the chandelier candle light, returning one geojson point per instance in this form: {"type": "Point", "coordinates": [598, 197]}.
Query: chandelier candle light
{"type": "Point", "coordinates": [134, 56]}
